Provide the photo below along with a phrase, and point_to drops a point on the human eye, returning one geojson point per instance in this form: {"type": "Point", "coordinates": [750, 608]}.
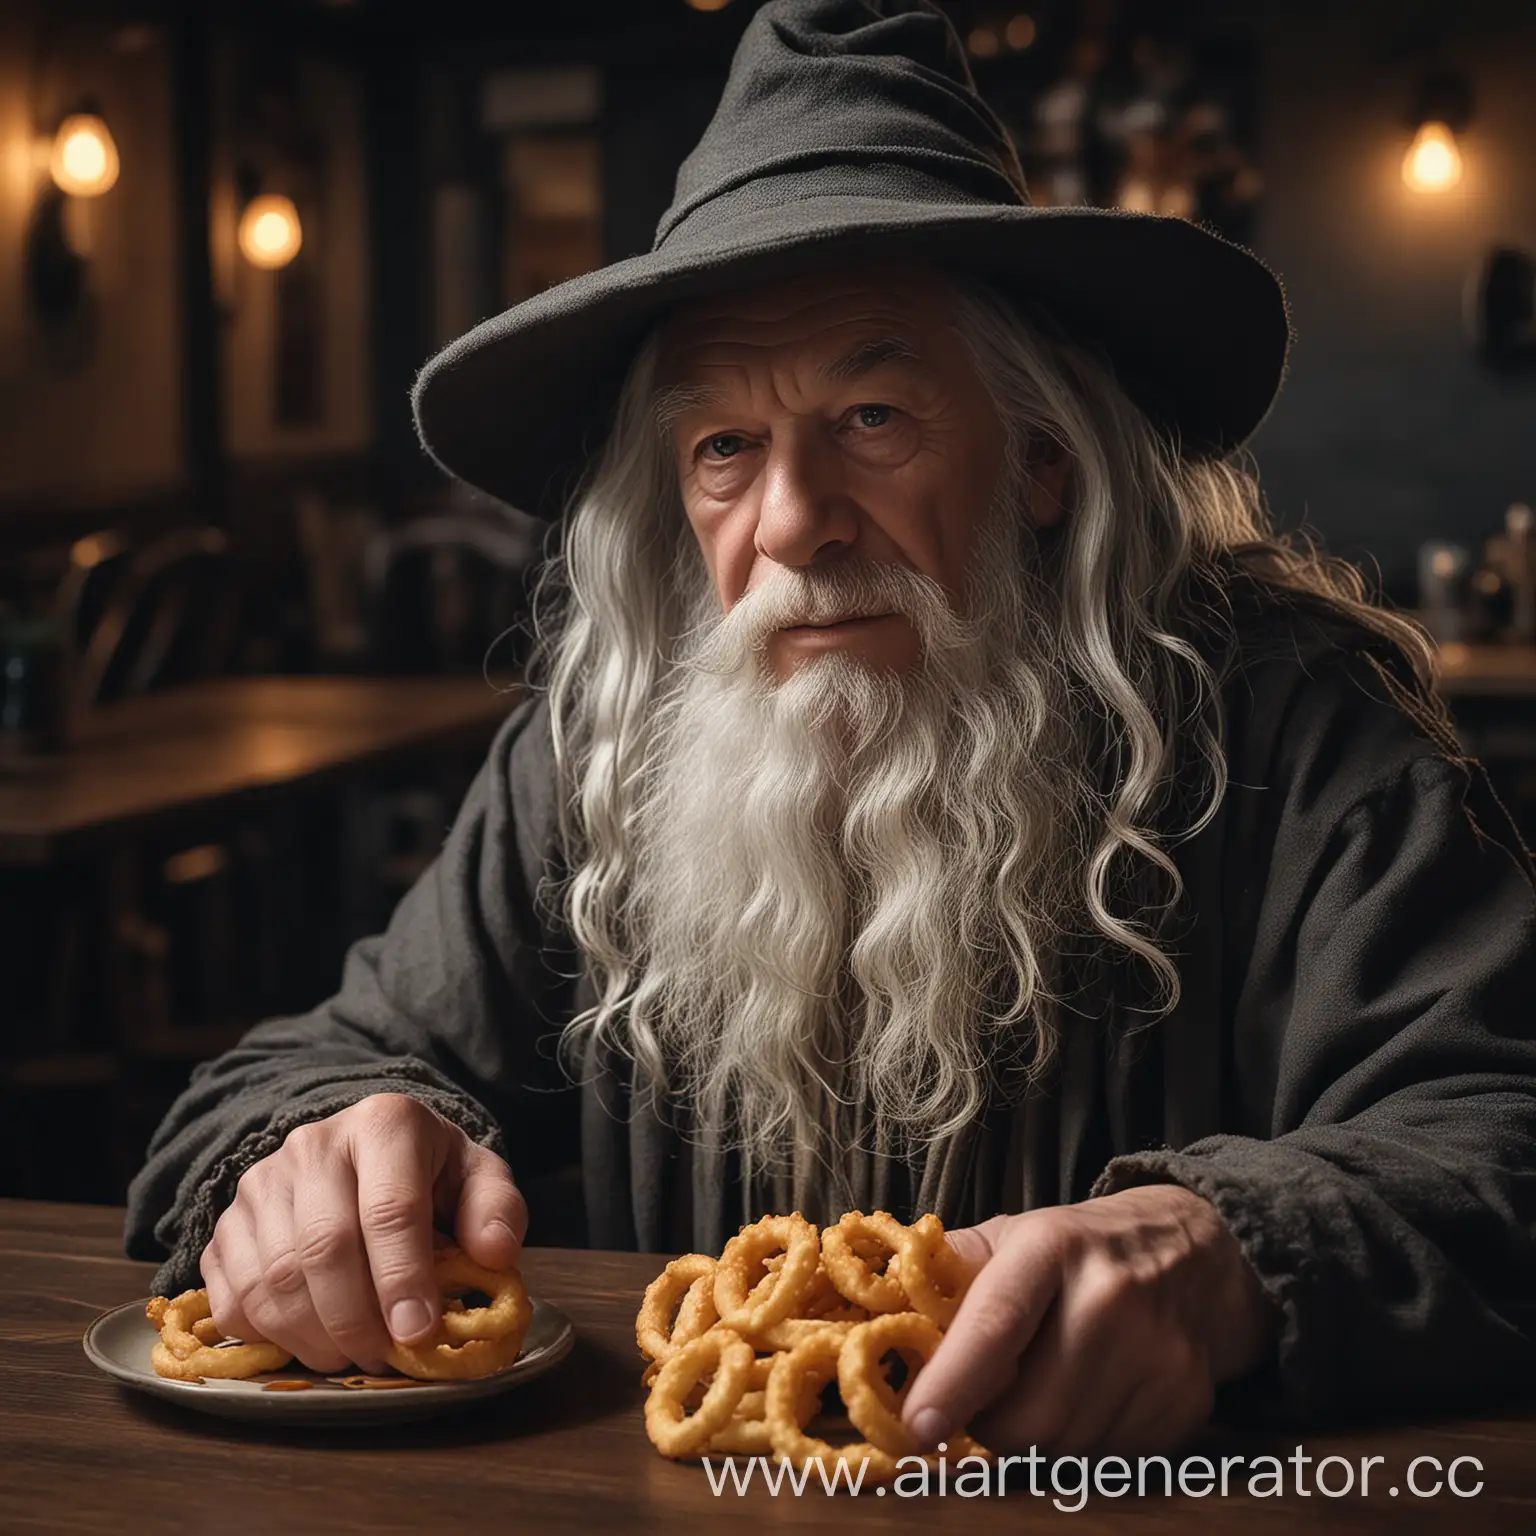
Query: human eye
{"type": "Point", "coordinates": [878, 434]}
{"type": "Point", "coordinates": [872, 417]}
{"type": "Point", "coordinates": [720, 445]}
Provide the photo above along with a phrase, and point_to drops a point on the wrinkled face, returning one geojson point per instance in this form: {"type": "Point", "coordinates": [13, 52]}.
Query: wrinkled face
{"type": "Point", "coordinates": [829, 419]}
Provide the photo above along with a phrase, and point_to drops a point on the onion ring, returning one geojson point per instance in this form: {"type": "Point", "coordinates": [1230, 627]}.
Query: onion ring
{"type": "Point", "coordinates": [678, 1434]}
{"type": "Point", "coordinates": [850, 1270]}
{"type": "Point", "coordinates": [928, 1270]}
{"type": "Point", "coordinates": [469, 1342]}
{"type": "Point", "coordinates": [688, 1284]}
{"type": "Point", "coordinates": [746, 1432]}
{"type": "Point", "coordinates": [185, 1352]}
{"type": "Point", "coordinates": [934, 1277]}
{"type": "Point", "coordinates": [794, 1389]}
{"type": "Point", "coordinates": [752, 1309]}
{"type": "Point", "coordinates": [872, 1404]}
{"type": "Point", "coordinates": [795, 1330]}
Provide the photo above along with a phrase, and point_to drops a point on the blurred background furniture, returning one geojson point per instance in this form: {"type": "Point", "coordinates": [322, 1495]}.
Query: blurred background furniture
{"type": "Point", "coordinates": [94, 564]}
{"type": "Point", "coordinates": [145, 799]}
{"type": "Point", "coordinates": [165, 619]}
{"type": "Point", "coordinates": [449, 593]}
{"type": "Point", "coordinates": [333, 540]}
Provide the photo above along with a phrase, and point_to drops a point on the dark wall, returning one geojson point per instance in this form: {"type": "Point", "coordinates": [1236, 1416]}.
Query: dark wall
{"type": "Point", "coordinates": [1388, 432]}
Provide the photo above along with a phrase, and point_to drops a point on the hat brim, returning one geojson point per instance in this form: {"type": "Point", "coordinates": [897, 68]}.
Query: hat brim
{"type": "Point", "coordinates": [1195, 327]}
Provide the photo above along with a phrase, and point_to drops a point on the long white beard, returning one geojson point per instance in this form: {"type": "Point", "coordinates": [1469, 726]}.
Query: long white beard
{"type": "Point", "coordinates": [848, 887]}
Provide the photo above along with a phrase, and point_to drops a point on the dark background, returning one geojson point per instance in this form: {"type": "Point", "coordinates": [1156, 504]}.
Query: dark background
{"type": "Point", "coordinates": [1388, 431]}
{"type": "Point", "coordinates": [185, 386]}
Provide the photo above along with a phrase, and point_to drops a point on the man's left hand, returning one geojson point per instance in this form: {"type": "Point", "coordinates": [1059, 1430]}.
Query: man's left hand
{"type": "Point", "coordinates": [1103, 1327]}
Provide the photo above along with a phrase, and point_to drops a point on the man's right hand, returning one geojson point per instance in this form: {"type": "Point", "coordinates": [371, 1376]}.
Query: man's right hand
{"type": "Point", "coordinates": [327, 1247]}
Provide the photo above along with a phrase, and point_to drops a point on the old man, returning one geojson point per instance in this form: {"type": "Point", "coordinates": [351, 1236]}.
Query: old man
{"type": "Point", "coordinates": [941, 791]}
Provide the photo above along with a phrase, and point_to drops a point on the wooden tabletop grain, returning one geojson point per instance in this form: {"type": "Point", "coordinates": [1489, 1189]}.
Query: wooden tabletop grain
{"type": "Point", "coordinates": [226, 741]}
{"type": "Point", "coordinates": [568, 1452]}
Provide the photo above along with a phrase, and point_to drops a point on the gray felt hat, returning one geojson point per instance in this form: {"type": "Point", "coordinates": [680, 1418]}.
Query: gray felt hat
{"type": "Point", "coordinates": [851, 130]}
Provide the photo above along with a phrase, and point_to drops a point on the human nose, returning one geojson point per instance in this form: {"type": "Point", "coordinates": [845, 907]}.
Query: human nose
{"type": "Point", "coordinates": [805, 509]}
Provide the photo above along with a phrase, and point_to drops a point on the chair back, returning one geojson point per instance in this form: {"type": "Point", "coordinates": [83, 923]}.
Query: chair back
{"type": "Point", "coordinates": [449, 594]}
{"type": "Point", "coordinates": [167, 619]}
{"type": "Point", "coordinates": [96, 564]}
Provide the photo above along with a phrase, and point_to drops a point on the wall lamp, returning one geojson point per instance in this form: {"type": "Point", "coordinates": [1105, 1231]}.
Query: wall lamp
{"type": "Point", "coordinates": [82, 164]}
{"type": "Point", "coordinates": [1442, 108]}
{"type": "Point", "coordinates": [270, 233]}
{"type": "Point", "coordinates": [83, 161]}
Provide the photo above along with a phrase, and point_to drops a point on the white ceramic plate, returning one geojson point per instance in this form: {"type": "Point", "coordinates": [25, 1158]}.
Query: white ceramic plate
{"type": "Point", "coordinates": [120, 1341]}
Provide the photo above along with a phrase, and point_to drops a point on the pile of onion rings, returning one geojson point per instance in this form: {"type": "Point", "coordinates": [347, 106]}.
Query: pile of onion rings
{"type": "Point", "coordinates": [741, 1348]}
{"type": "Point", "coordinates": [469, 1342]}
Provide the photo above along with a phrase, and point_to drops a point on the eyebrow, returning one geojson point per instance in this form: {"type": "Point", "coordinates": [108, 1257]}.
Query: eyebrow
{"type": "Point", "coordinates": [675, 400]}
{"type": "Point", "coordinates": [868, 356]}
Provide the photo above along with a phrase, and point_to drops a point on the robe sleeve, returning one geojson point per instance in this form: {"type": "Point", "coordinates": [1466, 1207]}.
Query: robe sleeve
{"type": "Point", "coordinates": [1385, 1053]}
{"type": "Point", "coordinates": [455, 1004]}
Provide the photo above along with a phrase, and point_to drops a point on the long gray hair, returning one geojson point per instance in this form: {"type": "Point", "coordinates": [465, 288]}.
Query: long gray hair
{"type": "Point", "coordinates": [931, 890]}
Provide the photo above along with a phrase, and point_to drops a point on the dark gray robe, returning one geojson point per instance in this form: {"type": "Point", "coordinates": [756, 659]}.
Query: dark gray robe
{"type": "Point", "coordinates": [1349, 1076]}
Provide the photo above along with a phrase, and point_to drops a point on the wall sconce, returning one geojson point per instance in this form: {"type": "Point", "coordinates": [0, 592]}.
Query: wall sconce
{"type": "Point", "coordinates": [1442, 109]}
{"type": "Point", "coordinates": [82, 164]}
{"type": "Point", "coordinates": [84, 161]}
{"type": "Point", "coordinates": [270, 234]}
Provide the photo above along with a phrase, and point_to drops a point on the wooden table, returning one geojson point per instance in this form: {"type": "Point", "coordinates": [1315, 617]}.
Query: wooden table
{"type": "Point", "coordinates": [568, 1452]}
{"type": "Point", "coordinates": [224, 744]}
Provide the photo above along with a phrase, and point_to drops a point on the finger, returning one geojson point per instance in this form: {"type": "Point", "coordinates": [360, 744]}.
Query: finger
{"type": "Point", "coordinates": [975, 1245]}
{"type": "Point", "coordinates": [1079, 1372]}
{"type": "Point", "coordinates": [394, 1206]}
{"type": "Point", "coordinates": [1087, 1359]}
{"type": "Point", "coordinates": [491, 1219]}
{"type": "Point", "coordinates": [281, 1306]}
{"type": "Point", "coordinates": [1040, 1405]}
{"type": "Point", "coordinates": [221, 1265]}
{"type": "Point", "coordinates": [329, 1241]}
{"type": "Point", "coordinates": [993, 1425]}
{"type": "Point", "coordinates": [976, 1360]}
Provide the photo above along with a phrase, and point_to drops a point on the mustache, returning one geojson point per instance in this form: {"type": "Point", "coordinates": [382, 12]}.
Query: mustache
{"type": "Point", "coordinates": [723, 643]}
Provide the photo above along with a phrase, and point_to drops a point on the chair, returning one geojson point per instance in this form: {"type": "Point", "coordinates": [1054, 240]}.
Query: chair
{"type": "Point", "coordinates": [165, 620]}
{"type": "Point", "coordinates": [449, 593]}
{"type": "Point", "coordinates": [96, 565]}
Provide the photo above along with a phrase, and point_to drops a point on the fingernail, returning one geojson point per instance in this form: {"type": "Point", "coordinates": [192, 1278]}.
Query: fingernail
{"type": "Point", "coordinates": [499, 1232]}
{"type": "Point", "coordinates": [408, 1318]}
{"type": "Point", "coordinates": [927, 1427]}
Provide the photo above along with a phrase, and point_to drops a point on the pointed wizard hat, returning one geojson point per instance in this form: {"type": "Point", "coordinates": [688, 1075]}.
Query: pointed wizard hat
{"type": "Point", "coordinates": [851, 131]}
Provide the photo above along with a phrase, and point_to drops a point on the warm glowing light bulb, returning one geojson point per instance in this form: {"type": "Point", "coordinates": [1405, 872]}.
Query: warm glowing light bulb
{"type": "Point", "coordinates": [1433, 163]}
{"type": "Point", "coordinates": [84, 159]}
{"type": "Point", "coordinates": [708, 5]}
{"type": "Point", "coordinates": [270, 235]}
